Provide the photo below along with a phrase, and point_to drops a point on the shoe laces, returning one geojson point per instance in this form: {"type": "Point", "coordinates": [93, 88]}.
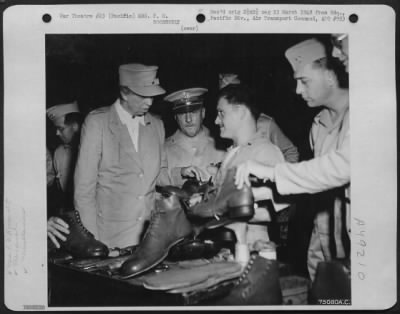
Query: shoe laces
{"type": "Point", "coordinates": [153, 223]}
{"type": "Point", "coordinates": [80, 224]}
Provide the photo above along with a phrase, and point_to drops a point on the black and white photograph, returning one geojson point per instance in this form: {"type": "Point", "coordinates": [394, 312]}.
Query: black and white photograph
{"type": "Point", "coordinates": [196, 169]}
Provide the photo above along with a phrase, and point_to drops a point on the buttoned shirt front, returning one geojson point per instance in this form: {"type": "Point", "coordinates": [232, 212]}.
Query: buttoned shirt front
{"type": "Point", "coordinates": [132, 123]}
{"type": "Point", "coordinates": [327, 171]}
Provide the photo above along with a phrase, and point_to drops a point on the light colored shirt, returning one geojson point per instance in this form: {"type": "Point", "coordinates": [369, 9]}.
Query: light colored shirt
{"type": "Point", "coordinates": [260, 149]}
{"type": "Point", "coordinates": [64, 165]}
{"type": "Point", "coordinates": [49, 168]}
{"type": "Point", "coordinates": [329, 169]}
{"type": "Point", "coordinates": [132, 123]}
{"type": "Point", "coordinates": [184, 151]}
{"type": "Point", "coordinates": [267, 126]}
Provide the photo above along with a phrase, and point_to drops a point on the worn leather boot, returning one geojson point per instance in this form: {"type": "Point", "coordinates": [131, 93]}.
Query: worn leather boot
{"type": "Point", "coordinates": [332, 282]}
{"type": "Point", "coordinates": [80, 241]}
{"type": "Point", "coordinates": [167, 190]}
{"type": "Point", "coordinates": [238, 204]}
{"type": "Point", "coordinates": [258, 284]}
{"type": "Point", "coordinates": [192, 186]}
{"type": "Point", "coordinates": [168, 226]}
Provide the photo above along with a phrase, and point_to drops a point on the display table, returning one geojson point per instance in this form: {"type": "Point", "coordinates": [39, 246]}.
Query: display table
{"type": "Point", "coordinates": [70, 287]}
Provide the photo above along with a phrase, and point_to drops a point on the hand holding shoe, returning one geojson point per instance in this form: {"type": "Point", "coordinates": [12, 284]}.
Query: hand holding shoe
{"type": "Point", "coordinates": [56, 228]}
{"type": "Point", "coordinates": [191, 172]}
{"type": "Point", "coordinates": [255, 168]}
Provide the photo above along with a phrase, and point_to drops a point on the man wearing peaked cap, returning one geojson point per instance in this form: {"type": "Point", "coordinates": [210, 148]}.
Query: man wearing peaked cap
{"type": "Point", "coordinates": [320, 83]}
{"type": "Point", "coordinates": [190, 150]}
{"type": "Point", "coordinates": [266, 125]}
{"type": "Point", "coordinates": [121, 159]}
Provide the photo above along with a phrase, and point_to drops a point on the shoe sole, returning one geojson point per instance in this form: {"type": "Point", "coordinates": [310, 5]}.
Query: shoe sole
{"type": "Point", "coordinates": [155, 263]}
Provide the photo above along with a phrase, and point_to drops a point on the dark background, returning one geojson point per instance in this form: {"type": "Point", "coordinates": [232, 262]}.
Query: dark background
{"type": "Point", "coordinates": [85, 68]}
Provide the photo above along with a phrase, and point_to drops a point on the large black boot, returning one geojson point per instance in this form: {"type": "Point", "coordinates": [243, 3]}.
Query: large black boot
{"type": "Point", "coordinates": [258, 284]}
{"type": "Point", "coordinates": [168, 226]}
{"type": "Point", "coordinates": [193, 186]}
{"type": "Point", "coordinates": [332, 282]}
{"type": "Point", "coordinates": [80, 242]}
{"type": "Point", "coordinates": [237, 203]}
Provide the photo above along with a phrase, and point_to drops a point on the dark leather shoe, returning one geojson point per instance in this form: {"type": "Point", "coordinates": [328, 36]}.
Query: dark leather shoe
{"type": "Point", "coordinates": [218, 235]}
{"type": "Point", "coordinates": [193, 186]}
{"type": "Point", "coordinates": [332, 282]}
{"type": "Point", "coordinates": [258, 285]}
{"type": "Point", "coordinates": [168, 226]}
{"type": "Point", "coordinates": [168, 190]}
{"type": "Point", "coordinates": [237, 204]}
{"type": "Point", "coordinates": [80, 242]}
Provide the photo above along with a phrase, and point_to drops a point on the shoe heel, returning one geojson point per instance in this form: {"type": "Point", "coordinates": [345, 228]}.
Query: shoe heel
{"type": "Point", "coordinates": [243, 212]}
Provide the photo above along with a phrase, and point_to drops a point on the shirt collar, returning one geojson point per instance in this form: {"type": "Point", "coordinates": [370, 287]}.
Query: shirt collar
{"type": "Point", "coordinates": [324, 118]}
{"type": "Point", "coordinates": [257, 136]}
{"type": "Point", "coordinates": [125, 116]}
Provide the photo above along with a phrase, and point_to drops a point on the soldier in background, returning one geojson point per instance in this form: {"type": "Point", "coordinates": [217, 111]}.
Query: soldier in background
{"type": "Point", "coordinates": [266, 125]}
{"type": "Point", "coordinates": [67, 120]}
{"type": "Point", "coordinates": [191, 151]}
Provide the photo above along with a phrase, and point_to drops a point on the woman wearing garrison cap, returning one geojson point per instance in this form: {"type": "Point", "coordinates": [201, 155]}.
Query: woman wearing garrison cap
{"type": "Point", "coordinates": [120, 160]}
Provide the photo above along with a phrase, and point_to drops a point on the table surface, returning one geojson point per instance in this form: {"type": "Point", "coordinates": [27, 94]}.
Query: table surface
{"type": "Point", "coordinates": [71, 287]}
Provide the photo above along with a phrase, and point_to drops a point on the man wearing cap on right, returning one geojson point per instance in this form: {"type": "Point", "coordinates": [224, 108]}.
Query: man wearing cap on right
{"type": "Point", "coordinates": [266, 125]}
{"type": "Point", "coordinates": [121, 159]}
{"type": "Point", "coordinates": [340, 49]}
{"type": "Point", "coordinates": [322, 82]}
{"type": "Point", "coordinates": [190, 150]}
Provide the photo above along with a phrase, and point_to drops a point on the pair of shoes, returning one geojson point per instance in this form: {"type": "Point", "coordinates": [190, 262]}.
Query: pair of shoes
{"type": "Point", "coordinates": [238, 204]}
{"type": "Point", "coordinates": [168, 226]}
{"type": "Point", "coordinates": [80, 242]}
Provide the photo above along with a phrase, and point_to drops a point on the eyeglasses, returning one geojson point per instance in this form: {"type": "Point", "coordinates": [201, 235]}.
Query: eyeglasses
{"type": "Point", "coordinates": [337, 40]}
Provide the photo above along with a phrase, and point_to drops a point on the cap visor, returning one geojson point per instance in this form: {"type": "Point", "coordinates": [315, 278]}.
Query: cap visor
{"type": "Point", "coordinates": [149, 91]}
{"type": "Point", "coordinates": [185, 109]}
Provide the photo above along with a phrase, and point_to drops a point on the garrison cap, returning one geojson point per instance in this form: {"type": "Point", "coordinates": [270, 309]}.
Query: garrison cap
{"type": "Point", "coordinates": [305, 53]}
{"type": "Point", "coordinates": [58, 111]}
{"type": "Point", "coordinates": [228, 78]}
{"type": "Point", "coordinates": [186, 100]}
{"type": "Point", "coordinates": [141, 79]}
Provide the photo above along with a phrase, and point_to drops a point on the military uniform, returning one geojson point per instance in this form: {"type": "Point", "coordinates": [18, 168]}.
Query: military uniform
{"type": "Point", "coordinates": [183, 151]}
{"type": "Point", "coordinates": [266, 125]}
{"type": "Point", "coordinates": [115, 180]}
{"type": "Point", "coordinates": [114, 183]}
{"type": "Point", "coordinates": [64, 164]}
{"type": "Point", "coordinates": [268, 128]}
{"type": "Point", "coordinates": [328, 172]}
{"type": "Point", "coordinates": [64, 158]}
{"type": "Point", "coordinates": [49, 168]}
{"type": "Point", "coordinates": [258, 149]}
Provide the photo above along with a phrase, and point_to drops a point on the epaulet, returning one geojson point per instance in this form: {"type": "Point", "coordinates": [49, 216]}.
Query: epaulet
{"type": "Point", "coordinates": [170, 139]}
{"type": "Point", "coordinates": [264, 117]}
{"type": "Point", "coordinates": [154, 116]}
{"type": "Point", "coordinates": [100, 110]}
